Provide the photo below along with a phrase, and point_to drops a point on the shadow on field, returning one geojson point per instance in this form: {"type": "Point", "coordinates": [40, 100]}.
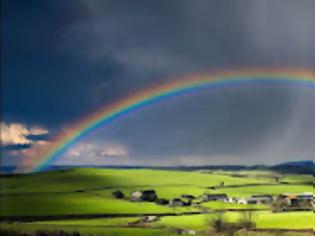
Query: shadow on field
{"type": "Point", "coordinates": [10, 232]}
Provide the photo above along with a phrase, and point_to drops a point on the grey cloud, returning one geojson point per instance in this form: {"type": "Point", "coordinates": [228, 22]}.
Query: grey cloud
{"type": "Point", "coordinates": [153, 41]}
{"type": "Point", "coordinates": [147, 43]}
{"type": "Point", "coordinates": [189, 35]}
{"type": "Point", "coordinates": [15, 147]}
{"type": "Point", "coordinates": [96, 51]}
{"type": "Point", "coordinates": [268, 124]}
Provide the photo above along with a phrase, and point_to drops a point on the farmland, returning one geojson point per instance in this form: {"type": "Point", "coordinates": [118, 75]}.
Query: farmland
{"type": "Point", "coordinates": [81, 200]}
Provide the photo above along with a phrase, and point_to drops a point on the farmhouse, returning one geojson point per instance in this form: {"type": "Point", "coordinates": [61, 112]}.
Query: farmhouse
{"type": "Point", "coordinates": [241, 201]}
{"type": "Point", "coordinates": [143, 196]}
{"type": "Point", "coordinates": [177, 202]}
{"type": "Point", "coordinates": [292, 202]}
{"type": "Point", "coordinates": [118, 194]}
{"type": "Point", "coordinates": [161, 201]}
{"type": "Point", "coordinates": [136, 196]}
{"type": "Point", "coordinates": [260, 199]}
{"type": "Point", "coordinates": [215, 197]}
{"type": "Point", "coordinates": [149, 195]}
{"type": "Point", "coordinates": [232, 200]}
{"type": "Point", "coordinates": [305, 196]}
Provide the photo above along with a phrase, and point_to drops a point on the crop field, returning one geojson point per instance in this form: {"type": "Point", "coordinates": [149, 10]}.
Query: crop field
{"type": "Point", "coordinates": [81, 200]}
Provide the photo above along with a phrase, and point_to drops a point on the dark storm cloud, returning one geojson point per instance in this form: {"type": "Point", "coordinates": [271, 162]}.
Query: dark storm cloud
{"type": "Point", "coordinates": [59, 51]}
{"type": "Point", "coordinates": [245, 123]}
{"type": "Point", "coordinates": [41, 137]}
{"type": "Point", "coordinates": [64, 59]}
{"type": "Point", "coordinates": [200, 35]}
{"type": "Point", "coordinates": [15, 147]}
{"type": "Point", "coordinates": [42, 84]}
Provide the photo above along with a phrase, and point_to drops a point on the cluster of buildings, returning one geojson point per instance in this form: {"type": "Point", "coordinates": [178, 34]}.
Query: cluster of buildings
{"type": "Point", "coordinates": [151, 196]}
{"type": "Point", "coordinates": [283, 202]}
{"type": "Point", "coordinates": [254, 199]}
{"type": "Point", "coordinates": [294, 202]}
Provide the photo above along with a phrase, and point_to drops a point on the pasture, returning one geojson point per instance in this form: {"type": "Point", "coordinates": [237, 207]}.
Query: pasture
{"type": "Point", "coordinates": [81, 200]}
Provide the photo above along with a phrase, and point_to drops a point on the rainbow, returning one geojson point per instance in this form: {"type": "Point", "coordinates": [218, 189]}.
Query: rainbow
{"type": "Point", "coordinates": [120, 109]}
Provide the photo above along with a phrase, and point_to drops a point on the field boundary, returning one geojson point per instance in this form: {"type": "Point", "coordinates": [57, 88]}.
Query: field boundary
{"type": "Point", "coordinates": [88, 216]}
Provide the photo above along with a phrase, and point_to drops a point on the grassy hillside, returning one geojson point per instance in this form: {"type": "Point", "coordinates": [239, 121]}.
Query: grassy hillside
{"type": "Point", "coordinates": [90, 178]}
{"type": "Point", "coordinates": [88, 191]}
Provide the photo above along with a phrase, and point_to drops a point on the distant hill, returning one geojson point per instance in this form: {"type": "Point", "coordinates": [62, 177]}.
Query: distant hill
{"type": "Point", "coordinates": [299, 163]}
{"type": "Point", "coordinates": [296, 167]}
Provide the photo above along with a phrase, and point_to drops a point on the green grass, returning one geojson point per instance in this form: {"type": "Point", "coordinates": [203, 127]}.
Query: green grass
{"type": "Point", "coordinates": [56, 193]}
{"type": "Point", "coordinates": [76, 203]}
{"type": "Point", "coordinates": [298, 178]}
{"type": "Point", "coordinates": [89, 230]}
{"type": "Point", "coordinates": [88, 178]}
{"type": "Point", "coordinates": [265, 189]}
{"type": "Point", "coordinates": [290, 220]}
{"type": "Point", "coordinates": [114, 231]}
{"type": "Point", "coordinates": [276, 233]}
{"type": "Point", "coordinates": [89, 191]}
{"type": "Point", "coordinates": [108, 222]}
{"type": "Point", "coordinates": [263, 220]}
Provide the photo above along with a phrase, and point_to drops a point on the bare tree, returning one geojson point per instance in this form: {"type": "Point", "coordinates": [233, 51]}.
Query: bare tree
{"type": "Point", "coordinates": [216, 221]}
{"type": "Point", "coordinates": [246, 220]}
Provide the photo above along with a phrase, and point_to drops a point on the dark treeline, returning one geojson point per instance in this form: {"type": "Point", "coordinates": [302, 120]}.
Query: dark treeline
{"type": "Point", "coordinates": [297, 167]}
{"type": "Point", "coordinates": [11, 232]}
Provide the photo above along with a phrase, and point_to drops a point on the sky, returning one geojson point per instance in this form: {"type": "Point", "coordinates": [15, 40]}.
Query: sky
{"type": "Point", "coordinates": [64, 59]}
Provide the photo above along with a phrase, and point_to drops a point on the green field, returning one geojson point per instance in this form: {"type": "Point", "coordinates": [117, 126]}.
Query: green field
{"type": "Point", "coordinates": [86, 195]}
